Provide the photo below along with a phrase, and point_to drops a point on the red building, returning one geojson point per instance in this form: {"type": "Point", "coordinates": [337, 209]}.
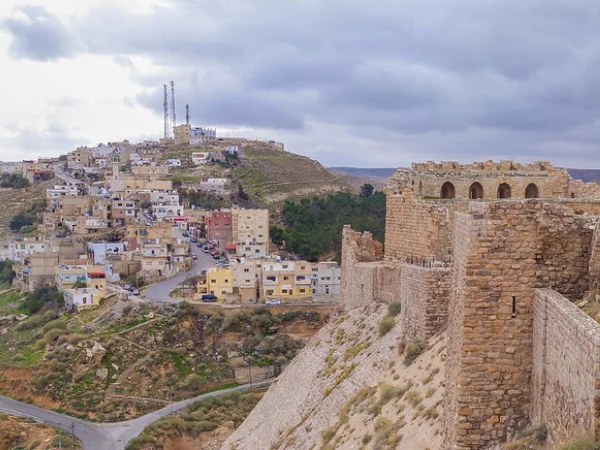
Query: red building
{"type": "Point", "coordinates": [219, 227]}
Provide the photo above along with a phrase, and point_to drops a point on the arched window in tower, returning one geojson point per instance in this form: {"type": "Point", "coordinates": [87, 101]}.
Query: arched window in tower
{"type": "Point", "coordinates": [447, 190]}
{"type": "Point", "coordinates": [504, 191]}
{"type": "Point", "coordinates": [476, 191]}
{"type": "Point", "coordinates": [531, 191]}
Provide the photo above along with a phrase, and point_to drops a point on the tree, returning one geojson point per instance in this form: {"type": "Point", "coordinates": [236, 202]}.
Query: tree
{"type": "Point", "coordinates": [19, 221]}
{"type": "Point", "coordinates": [242, 195]}
{"type": "Point", "coordinates": [366, 190]}
{"type": "Point", "coordinates": [13, 180]}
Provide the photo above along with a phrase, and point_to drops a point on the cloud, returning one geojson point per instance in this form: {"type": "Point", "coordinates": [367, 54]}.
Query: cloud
{"type": "Point", "coordinates": [435, 80]}
{"type": "Point", "coordinates": [54, 139]}
{"type": "Point", "coordinates": [39, 35]}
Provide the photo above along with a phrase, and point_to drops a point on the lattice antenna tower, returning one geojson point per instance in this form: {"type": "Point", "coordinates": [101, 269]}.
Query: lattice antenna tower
{"type": "Point", "coordinates": [166, 113]}
{"type": "Point", "coordinates": [173, 105]}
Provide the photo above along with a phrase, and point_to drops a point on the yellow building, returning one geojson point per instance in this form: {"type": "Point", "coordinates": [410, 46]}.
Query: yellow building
{"type": "Point", "coordinates": [286, 279]}
{"type": "Point", "coordinates": [219, 282]}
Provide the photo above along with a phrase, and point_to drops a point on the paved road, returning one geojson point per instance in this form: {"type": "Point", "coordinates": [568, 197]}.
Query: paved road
{"type": "Point", "coordinates": [105, 436]}
{"type": "Point", "coordinates": [159, 292]}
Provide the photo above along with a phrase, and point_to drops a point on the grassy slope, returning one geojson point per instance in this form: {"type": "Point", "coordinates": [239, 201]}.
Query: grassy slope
{"type": "Point", "coordinates": [278, 175]}
{"type": "Point", "coordinates": [15, 200]}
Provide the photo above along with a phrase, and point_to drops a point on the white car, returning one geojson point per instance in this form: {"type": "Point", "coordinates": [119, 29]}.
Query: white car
{"type": "Point", "coordinates": [273, 302]}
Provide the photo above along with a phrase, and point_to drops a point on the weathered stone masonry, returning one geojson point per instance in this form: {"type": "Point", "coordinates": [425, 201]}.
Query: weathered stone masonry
{"type": "Point", "coordinates": [566, 367]}
{"type": "Point", "coordinates": [478, 264]}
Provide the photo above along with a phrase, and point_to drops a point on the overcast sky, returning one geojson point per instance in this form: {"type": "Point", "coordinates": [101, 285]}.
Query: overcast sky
{"type": "Point", "coordinates": [347, 82]}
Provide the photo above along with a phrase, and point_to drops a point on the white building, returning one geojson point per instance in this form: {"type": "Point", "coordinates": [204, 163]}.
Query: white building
{"type": "Point", "coordinates": [203, 133]}
{"type": "Point", "coordinates": [164, 198]}
{"type": "Point", "coordinates": [215, 185]}
{"type": "Point", "coordinates": [100, 250]}
{"type": "Point", "coordinates": [199, 157]}
{"type": "Point", "coordinates": [174, 162]}
{"type": "Point", "coordinates": [77, 299]}
{"type": "Point", "coordinates": [167, 211]}
{"type": "Point", "coordinates": [62, 190]}
{"type": "Point", "coordinates": [325, 278]}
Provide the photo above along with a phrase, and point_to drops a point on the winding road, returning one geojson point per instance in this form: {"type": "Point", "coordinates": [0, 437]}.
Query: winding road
{"type": "Point", "coordinates": [105, 436]}
{"type": "Point", "coordinates": [159, 292]}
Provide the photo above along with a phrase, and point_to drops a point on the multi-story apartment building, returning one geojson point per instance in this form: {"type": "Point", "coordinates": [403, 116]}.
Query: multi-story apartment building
{"type": "Point", "coordinates": [250, 232]}
{"type": "Point", "coordinates": [35, 270]}
{"type": "Point", "coordinates": [217, 186]}
{"type": "Point", "coordinates": [325, 278]}
{"type": "Point", "coordinates": [71, 207]}
{"type": "Point", "coordinates": [78, 158]}
{"type": "Point", "coordinates": [58, 191]}
{"type": "Point", "coordinates": [199, 135]}
{"type": "Point", "coordinates": [164, 257]}
{"type": "Point", "coordinates": [282, 279]}
{"type": "Point", "coordinates": [246, 278]}
{"type": "Point", "coordinates": [124, 211]}
{"type": "Point", "coordinates": [137, 233]}
{"type": "Point", "coordinates": [23, 247]}
{"type": "Point", "coordinates": [220, 227]}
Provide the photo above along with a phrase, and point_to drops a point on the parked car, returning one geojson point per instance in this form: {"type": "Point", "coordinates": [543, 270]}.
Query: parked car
{"type": "Point", "coordinates": [199, 245]}
{"type": "Point", "coordinates": [135, 291]}
{"type": "Point", "coordinates": [203, 272]}
{"type": "Point", "coordinates": [273, 302]}
{"type": "Point", "coordinates": [204, 249]}
{"type": "Point", "coordinates": [193, 239]}
{"type": "Point", "coordinates": [194, 256]}
{"type": "Point", "coordinates": [208, 298]}
{"type": "Point", "coordinates": [216, 257]}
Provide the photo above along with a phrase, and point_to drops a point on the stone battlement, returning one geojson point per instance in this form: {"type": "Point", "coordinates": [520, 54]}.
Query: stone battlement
{"type": "Point", "coordinates": [505, 167]}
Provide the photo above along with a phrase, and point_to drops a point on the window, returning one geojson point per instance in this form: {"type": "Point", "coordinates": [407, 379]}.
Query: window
{"type": "Point", "coordinates": [270, 292]}
{"type": "Point", "coordinates": [302, 267]}
{"type": "Point", "coordinates": [213, 281]}
{"type": "Point", "coordinates": [247, 281]}
{"type": "Point", "coordinates": [314, 291]}
{"type": "Point", "coordinates": [315, 269]}
{"type": "Point", "coordinates": [226, 281]}
{"type": "Point", "coordinates": [271, 278]}
{"type": "Point", "coordinates": [284, 291]}
{"type": "Point", "coordinates": [302, 291]}
{"type": "Point", "coordinates": [285, 266]}
{"type": "Point", "coordinates": [327, 290]}
{"type": "Point", "coordinates": [286, 278]}
{"type": "Point", "coordinates": [246, 270]}
{"type": "Point", "coordinates": [223, 292]}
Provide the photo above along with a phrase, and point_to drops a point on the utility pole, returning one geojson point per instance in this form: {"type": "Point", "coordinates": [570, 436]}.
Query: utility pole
{"type": "Point", "coordinates": [166, 113]}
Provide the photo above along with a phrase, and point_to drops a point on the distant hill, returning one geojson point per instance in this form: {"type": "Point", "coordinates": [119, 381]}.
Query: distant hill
{"type": "Point", "coordinates": [587, 175]}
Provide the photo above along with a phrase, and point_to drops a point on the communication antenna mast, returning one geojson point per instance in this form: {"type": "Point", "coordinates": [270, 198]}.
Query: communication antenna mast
{"type": "Point", "coordinates": [173, 103]}
{"type": "Point", "coordinates": [166, 112]}
{"type": "Point", "coordinates": [187, 114]}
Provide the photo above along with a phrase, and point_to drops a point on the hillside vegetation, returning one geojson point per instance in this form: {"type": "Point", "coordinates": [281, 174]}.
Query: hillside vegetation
{"type": "Point", "coordinates": [312, 227]}
{"type": "Point", "coordinates": [126, 359]}
{"type": "Point", "coordinates": [355, 385]}
{"type": "Point", "coordinates": [25, 434]}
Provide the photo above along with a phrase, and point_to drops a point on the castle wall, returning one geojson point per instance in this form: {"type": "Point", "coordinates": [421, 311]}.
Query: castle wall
{"type": "Point", "coordinates": [427, 178]}
{"type": "Point", "coordinates": [424, 293]}
{"type": "Point", "coordinates": [502, 251]}
{"type": "Point", "coordinates": [566, 355]}
{"type": "Point", "coordinates": [365, 278]}
{"type": "Point", "coordinates": [419, 228]}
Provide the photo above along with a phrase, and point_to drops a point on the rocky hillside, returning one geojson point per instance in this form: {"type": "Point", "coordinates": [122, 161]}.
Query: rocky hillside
{"type": "Point", "coordinates": [22, 433]}
{"type": "Point", "coordinates": [355, 385]}
{"type": "Point", "coordinates": [278, 175]}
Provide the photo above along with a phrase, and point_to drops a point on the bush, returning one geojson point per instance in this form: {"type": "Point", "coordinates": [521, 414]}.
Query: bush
{"type": "Point", "coordinates": [27, 229]}
{"type": "Point", "coordinates": [412, 351]}
{"type": "Point", "coordinates": [394, 309]}
{"type": "Point", "coordinates": [13, 181]}
{"type": "Point", "coordinates": [386, 324]}
{"type": "Point", "coordinates": [19, 221]}
{"type": "Point", "coordinates": [585, 442]}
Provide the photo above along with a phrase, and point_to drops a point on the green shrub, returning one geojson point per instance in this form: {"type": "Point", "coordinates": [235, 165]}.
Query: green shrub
{"type": "Point", "coordinates": [366, 439]}
{"type": "Point", "coordinates": [413, 350]}
{"type": "Point", "coordinates": [541, 433]}
{"type": "Point", "coordinates": [386, 324]}
{"type": "Point", "coordinates": [394, 309]}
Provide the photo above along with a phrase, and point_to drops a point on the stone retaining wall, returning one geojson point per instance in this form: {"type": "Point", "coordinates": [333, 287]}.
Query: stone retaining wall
{"type": "Point", "coordinates": [566, 368]}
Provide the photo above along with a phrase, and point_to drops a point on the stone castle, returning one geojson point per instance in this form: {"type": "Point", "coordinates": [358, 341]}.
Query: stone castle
{"type": "Point", "coordinates": [494, 254]}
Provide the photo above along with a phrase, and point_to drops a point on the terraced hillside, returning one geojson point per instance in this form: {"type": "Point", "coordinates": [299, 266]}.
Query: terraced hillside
{"type": "Point", "coordinates": [279, 175]}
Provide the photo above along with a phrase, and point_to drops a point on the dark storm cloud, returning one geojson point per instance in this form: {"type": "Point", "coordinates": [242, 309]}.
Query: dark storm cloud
{"type": "Point", "coordinates": [38, 35]}
{"type": "Point", "coordinates": [500, 77]}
